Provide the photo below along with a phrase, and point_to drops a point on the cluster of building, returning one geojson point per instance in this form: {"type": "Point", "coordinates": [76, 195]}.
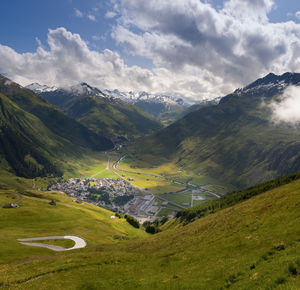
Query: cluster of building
{"type": "Point", "coordinates": [99, 191]}
{"type": "Point", "coordinates": [115, 194]}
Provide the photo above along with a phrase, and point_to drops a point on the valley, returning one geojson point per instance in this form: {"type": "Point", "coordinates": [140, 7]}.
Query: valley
{"type": "Point", "coordinates": [144, 193]}
{"type": "Point", "coordinates": [150, 208]}
{"type": "Point", "coordinates": [150, 145]}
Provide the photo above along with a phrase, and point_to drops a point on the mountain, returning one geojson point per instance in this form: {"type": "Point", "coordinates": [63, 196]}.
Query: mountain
{"type": "Point", "coordinates": [235, 141]}
{"type": "Point", "coordinates": [164, 107]}
{"type": "Point", "coordinates": [253, 244]}
{"type": "Point", "coordinates": [37, 137]}
{"type": "Point", "coordinates": [102, 113]}
{"type": "Point", "coordinates": [37, 88]}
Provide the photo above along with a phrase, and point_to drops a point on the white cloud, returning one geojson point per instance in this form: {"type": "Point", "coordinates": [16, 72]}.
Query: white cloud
{"type": "Point", "coordinates": [81, 14]}
{"type": "Point", "coordinates": [97, 37]}
{"type": "Point", "coordinates": [297, 14]}
{"type": "Point", "coordinates": [78, 13]}
{"type": "Point", "coordinates": [236, 44]}
{"type": "Point", "coordinates": [110, 14]}
{"type": "Point", "coordinates": [196, 50]}
{"type": "Point", "coordinates": [287, 108]}
{"type": "Point", "coordinates": [69, 60]}
{"type": "Point", "coordinates": [91, 17]}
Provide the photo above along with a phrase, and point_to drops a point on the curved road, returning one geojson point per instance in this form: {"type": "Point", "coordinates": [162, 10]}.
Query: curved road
{"type": "Point", "coordinates": [79, 242]}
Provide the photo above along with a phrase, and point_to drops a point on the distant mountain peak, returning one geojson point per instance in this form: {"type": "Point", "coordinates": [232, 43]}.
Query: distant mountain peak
{"type": "Point", "coordinates": [38, 88]}
{"type": "Point", "coordinates": [272, 79]}
{"type": "Point", "coordinates": [84, 89]}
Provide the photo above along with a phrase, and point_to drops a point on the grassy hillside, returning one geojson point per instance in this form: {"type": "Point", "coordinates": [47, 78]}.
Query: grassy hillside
{"type": "Point", "coordinates": [54, 119]}
{"type": "Point", "coordinates": [252, 245]}
{"type": "Point", "coordinates": [26, 143]}
{"type": "Point", "coordinates": [235, 141]}
{"type": "Point", "coordinates": [232, 198]}
{"type": "Point", "coordinates": [106, 116]}
{"type": "Point", "coordinates": [37, 139]}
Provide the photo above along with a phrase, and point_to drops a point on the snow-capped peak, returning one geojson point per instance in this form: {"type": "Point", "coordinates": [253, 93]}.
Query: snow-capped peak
{"type": "Point", "coordinates": [84, 89]}
{"type": "Point", "coordinates": [135, 97]}
{"type": "Point", "coordinates": [38, 88]}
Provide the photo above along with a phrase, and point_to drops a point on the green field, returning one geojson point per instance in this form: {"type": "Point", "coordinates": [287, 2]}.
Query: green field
{"type": "Point", "coordinates": [252, 245]}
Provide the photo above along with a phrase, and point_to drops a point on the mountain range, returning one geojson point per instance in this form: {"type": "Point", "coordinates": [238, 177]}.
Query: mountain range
{"type": "Point", "coordinates": [165, 108]}
{"type": "Point", "coordinates": [235, 141]}
{"type": "Point", "coordinates": [102, 113]}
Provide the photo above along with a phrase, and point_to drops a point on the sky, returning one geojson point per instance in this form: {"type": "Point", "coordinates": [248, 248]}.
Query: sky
{"type": "Point", "coordinates": [194, 48]}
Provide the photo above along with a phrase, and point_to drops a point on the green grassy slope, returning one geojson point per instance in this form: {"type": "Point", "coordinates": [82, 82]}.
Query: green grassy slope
{"type": "Point", "coordinates": [104, 115]}
{"type": "Point", "coordinates": [234, 141]}
{"type": "Point", "coordinates": [26, 143]}
{"type": "Point", "coordinates": [54, 119]}
{"type": "Point", "coordinates": [252, 245]}
{"type": "Point", "coordinates": [230, 199]}
{"type": "Point", "coordinates": [36, 138]}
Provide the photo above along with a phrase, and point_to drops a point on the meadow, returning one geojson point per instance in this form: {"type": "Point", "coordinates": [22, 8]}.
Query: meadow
{"type": "Point", "coordinates": [251, 245]}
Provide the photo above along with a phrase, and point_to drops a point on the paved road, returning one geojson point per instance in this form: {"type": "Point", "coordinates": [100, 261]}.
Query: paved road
{"type": "Point", "coordinates": [79, 242]}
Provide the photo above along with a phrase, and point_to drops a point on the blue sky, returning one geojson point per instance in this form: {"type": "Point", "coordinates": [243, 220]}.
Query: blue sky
{"type": "Point", "coordinates": [22, 22]}
{"type": "Point", "coordinates": [123, 27]}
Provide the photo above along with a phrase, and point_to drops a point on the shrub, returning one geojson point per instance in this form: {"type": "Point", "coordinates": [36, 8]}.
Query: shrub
{"type": "Point", "coordinates": [118, 215]}
{"type": "Point", "coordinates": [152, 229]}
{"type": "Point", "coordinates": [279, 247]}
{"type": "Point", "coordinates": [133, 221]}
{"type": "Point", "coordinates": [292, 269]}
{"type": "Point", "coordinates": [280, 280]}
{"type": "Point", "coordinates": [164, 220]}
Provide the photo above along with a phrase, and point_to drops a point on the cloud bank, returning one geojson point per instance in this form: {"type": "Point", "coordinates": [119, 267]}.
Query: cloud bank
{"type": "Point", "coordinates": [287, 109]}
{"type": "Point", "coordinates": [197, 50]}
{"type": "Point", "coordinates": [69, 61]}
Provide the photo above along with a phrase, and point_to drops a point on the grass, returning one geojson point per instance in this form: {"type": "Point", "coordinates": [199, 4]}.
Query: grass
{"type": "Point", "coordinates": [36, 217]}
{"type": "Point", "coordinates": [60, 242]}
{"type": "Point", "coordinates": [247, 246]}
{"type": "Point", "coordinates": [89, 165]}
{"type": "Point", "coordinates": [155, 185]}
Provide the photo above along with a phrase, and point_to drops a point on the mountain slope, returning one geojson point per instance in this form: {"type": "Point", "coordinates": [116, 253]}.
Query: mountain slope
{"type": "Point", "coordinates": [36, 137]}
{"type": "Point", "coordinates": [101, 113]}
{"type": "Point", "coordinates": [234, 141]}
{"type": "Point", "coordinates": [52, 117]}
{"type": "Point", "coordinates": [25, 142]}
{"type": "Point", "coordinates": [252, 245]}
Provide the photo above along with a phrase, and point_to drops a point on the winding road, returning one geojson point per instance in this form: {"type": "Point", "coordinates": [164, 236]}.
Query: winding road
{"type": "Point", "coordinates": [79, 242]}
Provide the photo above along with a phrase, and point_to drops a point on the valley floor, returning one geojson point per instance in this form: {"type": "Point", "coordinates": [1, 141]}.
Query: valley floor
{"type": "Point", "coordinates": [155, 192]}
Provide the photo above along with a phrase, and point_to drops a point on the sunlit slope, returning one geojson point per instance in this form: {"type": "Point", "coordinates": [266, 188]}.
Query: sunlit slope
{"type": "Point", "coordinates": [37, 218]}
{"type": "Point", "coordinates": [235, 141]}
{"type": "Point", "coordinates": [252, 245]}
